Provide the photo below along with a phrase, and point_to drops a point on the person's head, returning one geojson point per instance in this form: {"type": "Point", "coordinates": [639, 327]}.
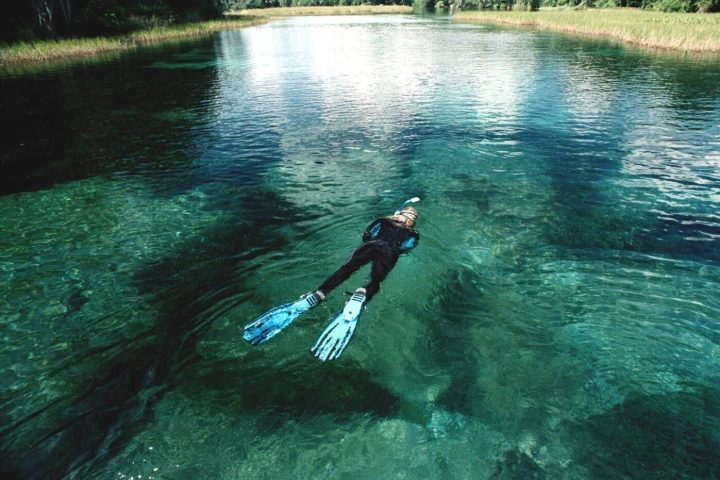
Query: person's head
{"type": "Point", "coordinates": [408, 216]}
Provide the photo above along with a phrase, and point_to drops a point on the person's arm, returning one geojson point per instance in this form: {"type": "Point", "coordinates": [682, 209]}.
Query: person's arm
{"type": "Point", "coordinates": [372, 230]}
{"type": "Point", "coordinates": [410, 242]}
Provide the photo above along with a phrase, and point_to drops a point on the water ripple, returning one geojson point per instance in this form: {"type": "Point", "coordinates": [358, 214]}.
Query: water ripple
{"type": "Point", "coordinates": [563, 294]}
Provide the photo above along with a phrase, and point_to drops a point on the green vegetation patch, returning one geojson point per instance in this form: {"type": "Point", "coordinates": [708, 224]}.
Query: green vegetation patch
{"type": "Point", "coordinates": [324, 10]}
{"type": "Point", "coordinates": [675, 31]}
{"type": "Point", "coordinates": [51, 50]}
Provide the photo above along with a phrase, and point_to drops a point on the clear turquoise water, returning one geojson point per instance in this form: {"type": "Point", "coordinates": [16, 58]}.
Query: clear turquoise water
{"type": "Point", "coordinates": [559, 319]}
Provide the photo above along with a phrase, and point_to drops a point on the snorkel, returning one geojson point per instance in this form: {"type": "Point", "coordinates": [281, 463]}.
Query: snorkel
{"type": "Point", "coordinates": [405, 203]}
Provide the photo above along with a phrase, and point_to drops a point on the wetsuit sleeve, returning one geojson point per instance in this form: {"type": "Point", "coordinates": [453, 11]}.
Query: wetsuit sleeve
{"type": "Point", "coordinates": [410, 242]}
{"type": "Point", "coordinates": [372, 230]}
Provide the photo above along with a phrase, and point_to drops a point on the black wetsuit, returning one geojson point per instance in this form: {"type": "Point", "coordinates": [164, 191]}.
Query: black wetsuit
{"type": "Point", "coordinates": [384, 240]}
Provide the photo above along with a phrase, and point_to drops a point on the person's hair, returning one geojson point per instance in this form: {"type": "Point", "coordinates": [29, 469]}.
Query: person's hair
{"type": "Point", "coordinates": [409, 213]}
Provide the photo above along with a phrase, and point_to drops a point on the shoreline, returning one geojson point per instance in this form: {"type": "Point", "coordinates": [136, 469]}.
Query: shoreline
{"type": "Point", "coordinates": [278, 12]}
{"type": "Point", "coordinates": [49, 52]}
{"type": "Point", "coordinates": [692, 33]}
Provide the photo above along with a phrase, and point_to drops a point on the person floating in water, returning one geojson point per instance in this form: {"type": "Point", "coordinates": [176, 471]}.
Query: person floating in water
{"type": "Point", "coordinates": [384, 240]}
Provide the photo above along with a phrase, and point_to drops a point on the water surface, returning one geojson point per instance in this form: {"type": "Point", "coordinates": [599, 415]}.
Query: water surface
{"type": "Point", "coordinates": [559, 319]}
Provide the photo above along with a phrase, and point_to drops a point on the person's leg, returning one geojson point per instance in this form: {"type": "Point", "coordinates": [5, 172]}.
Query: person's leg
{"type": "Point", "coordinates": [362, 255]}
{"type": "Point", "coordinates": [382, 264]}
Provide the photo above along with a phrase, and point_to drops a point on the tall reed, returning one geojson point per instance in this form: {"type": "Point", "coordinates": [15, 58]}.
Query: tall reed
{"type": "Point", "coordinates": [687, 32]}
{"type": "Point", "coordinates": [51, 50]}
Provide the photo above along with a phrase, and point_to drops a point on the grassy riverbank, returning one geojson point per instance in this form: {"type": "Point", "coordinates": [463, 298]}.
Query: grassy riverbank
{"type": "Point", "coordinates": [55, 50]}
{"type": "Point", "coordinates": [336, 10]}
{"type": "Point", "coordinates": [51, 51]}
{"type": "Point", "coordinates": [687, 32]}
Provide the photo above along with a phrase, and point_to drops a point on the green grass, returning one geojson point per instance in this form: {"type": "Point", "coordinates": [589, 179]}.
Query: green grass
{"type": "Point", "coordinates": [26, 53]}
{"type": "Point", "coordinates": [31, 54]}
{"type": "Point", "coordinates": [686, 32]}
{"type": "Point", "coordinates": [336, 10]}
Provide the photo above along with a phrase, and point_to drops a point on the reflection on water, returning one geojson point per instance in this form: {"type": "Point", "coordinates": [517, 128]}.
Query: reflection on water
{"type": "Point", "coordinates": [558, 320]}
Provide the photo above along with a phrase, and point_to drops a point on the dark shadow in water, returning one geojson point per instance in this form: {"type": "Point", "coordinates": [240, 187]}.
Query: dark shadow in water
{"type": "Point", "coordinates": [452, 346]}
{"type": "Point", "coordinates": [470, 305]}
{"type": "Point", "coordinates": [588, 220]}
{"type": "Point", "coordinates": [81, 434]}
{"type": "Point", "coordinates": [673, 435]}
{"type": "Point", "coordinates": [459, 297]}
{"type": "Point", "coordinates": [82, 122]}
{"type": "Point", "coordinates": [686, 78]}
{"type": "Point", "coordinates": [415, 130]}
{"type": "Point", "coordinates": [76, 435]}
{"type": "Point", "coordinates": [77, 430]}
{"type": "Point", "coordinates": [479, 193]}
{"type": "Point", "coordinates": [517, 465]}
{"type": "Point", "coordinates": [578, 162]}
{"type": "Point", "coordinates": [673, 232]}
{"type": "Point", "coordinates": [295, 389]}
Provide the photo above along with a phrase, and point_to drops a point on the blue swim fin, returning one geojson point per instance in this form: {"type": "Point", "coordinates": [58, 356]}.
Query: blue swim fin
{"type": "Point", "coordinates": [337, 335]}
{"type": "Point", "coordinates": [271, 322]}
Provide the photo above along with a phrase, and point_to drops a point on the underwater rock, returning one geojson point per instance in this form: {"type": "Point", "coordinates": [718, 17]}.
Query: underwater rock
{"type": "Point", "coordinates": [76, 301]}
{"type": "Point", "coordinates": [302, 389]}
{"type": "Point", "coordinates": [55, 309]}
{"type": "Point", "coordinates": [443, 424]}
{"type": "Point", "coordinates": [673, 435]}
